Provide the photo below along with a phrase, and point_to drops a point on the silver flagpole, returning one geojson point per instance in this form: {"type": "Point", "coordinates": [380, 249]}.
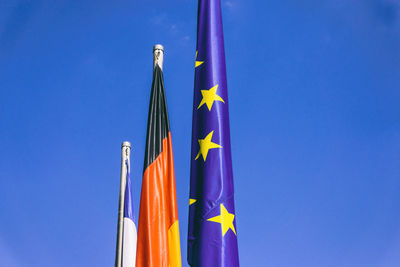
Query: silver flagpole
{"type": "Point", "coordinates": [158, 55]}
{"type": "Point", "coordinates": [125, 154]}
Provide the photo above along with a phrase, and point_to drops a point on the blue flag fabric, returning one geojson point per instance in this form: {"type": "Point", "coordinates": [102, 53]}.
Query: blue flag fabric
{"type": "Point", "coordinates": [128, 203]}
{"type": "Point", "coordinates": [212, 236]}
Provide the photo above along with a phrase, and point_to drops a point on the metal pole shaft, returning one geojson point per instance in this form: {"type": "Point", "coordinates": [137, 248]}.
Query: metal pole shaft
{"type": "Point", "coordinates": [125, 154]}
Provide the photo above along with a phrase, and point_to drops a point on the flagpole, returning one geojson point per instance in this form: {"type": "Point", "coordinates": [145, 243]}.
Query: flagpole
{"type": "Point", "coordinates": [125, 154]}
{"type": "Point", "coordinates": [158, 55]}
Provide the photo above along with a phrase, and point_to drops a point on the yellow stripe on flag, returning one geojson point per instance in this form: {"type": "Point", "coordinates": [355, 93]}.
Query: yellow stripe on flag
{"type": "Point", "coordinates": [174, 247]}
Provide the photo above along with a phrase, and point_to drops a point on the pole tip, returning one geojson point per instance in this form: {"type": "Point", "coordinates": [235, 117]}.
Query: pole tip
{"type": "Point", "coordinates": [158, 47]}
{"type": "Point", "coordinates": [158, 55]}
{"type": "Point", "coordinates": [126, 144]}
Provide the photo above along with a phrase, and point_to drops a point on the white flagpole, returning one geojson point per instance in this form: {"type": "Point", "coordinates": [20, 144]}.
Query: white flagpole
{"type": "Point", "coordinates": [125, 154]}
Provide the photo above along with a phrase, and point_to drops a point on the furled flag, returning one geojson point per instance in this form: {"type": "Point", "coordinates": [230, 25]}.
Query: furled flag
{"type": "Point", "coordinates": [158, 229]}
{"type": "Point", "coordinates": [212, 235]}
{"type": "Point", "coordinates": [129, 232]}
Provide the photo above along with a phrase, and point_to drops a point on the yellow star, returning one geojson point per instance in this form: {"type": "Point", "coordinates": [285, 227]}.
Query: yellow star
{"type": "Point", "coordinates": [209, 96]}
{"type": "Point", "coordinates": [191, 201]}
{"type": "Point", "coordinates": [198, 63]}
{"type": "Point", "coordinates": [205, 145]}
{"type": "Point", "coordinates": [225, 219]}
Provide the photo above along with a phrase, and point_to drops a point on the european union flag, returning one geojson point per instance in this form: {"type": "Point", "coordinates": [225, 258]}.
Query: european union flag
{"type": "Point", "coordinates": [212, 237]}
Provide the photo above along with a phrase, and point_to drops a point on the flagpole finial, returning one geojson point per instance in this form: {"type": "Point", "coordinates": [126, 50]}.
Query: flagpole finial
{"type": "Point", "coordinates": [158, 53]}
{"type": "Point", "coordinates": [126, 144]}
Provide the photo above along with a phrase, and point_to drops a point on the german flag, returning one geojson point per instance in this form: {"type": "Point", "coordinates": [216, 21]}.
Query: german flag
{"type": "Point", "coordinates": [158, 230]}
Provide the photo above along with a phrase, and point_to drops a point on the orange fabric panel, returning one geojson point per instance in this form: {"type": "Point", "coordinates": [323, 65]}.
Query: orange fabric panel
{"type": "Point", "coordinates": [158, 211]}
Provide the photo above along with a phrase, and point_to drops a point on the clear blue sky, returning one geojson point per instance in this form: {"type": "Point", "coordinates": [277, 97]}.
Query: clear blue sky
{"type": "Point", "coordinates": [314, 90]}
